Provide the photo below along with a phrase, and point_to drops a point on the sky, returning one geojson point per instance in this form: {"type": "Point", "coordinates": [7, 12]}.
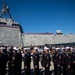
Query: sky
{"type": "Point", "coordinates": [39, 16]}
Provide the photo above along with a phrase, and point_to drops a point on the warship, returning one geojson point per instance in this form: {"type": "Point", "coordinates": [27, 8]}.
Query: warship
{"type": "Point", "coordinates": [11, 33]}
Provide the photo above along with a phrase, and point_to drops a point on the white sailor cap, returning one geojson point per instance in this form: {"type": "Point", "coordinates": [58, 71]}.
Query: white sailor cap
{"type": "Point", "coordinates": [15, 48]}
{"type": "Point", "coordinates": [67, 47]}
{"type": "Point", "coordinates": [36, 48]}
{"type": "Point", "coordinates": [71, 48]}
{"type": "Point", "coordinates": [46, 48]}
{"type": "Point", "coordinates": [57, 48]}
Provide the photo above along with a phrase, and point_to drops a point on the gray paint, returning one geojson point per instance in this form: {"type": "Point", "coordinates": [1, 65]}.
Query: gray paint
{"type": "Point", "coordinates": [10, 35]}
{"type": "Point", "coordinates": [36, 39]}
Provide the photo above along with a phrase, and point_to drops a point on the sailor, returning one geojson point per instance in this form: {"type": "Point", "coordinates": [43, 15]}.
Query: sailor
{"type": "Point", "coordinates": [73, 60]}
{"type": "Point", "coordinates": [6, 56]}
{"type": "Point", "coordinates": [29, 57]}
{"type": "Point", "coordinates": [5, 53]}
{"type": "Point", "coordinates": [58, 61]}
{"type": "Point", "coordinates": [10, 53]}
{"type": "Point", "coordinates": [16, 62]}
{"type": "Point", "coordinates": [2, 62]}
{"type": "Point", "coordinates": [68, 61]}
{"type": "Point", "coordinates": [54, 59]}
{"type": "Point", "coordinates": [47, 61]}
{"type": "Point", "coordinates": [63, 61]}
{"type": "Point", "coordinates": [27, 60]}
{"type": "Point", "coordinates": [36, 61]}
{"type": "Point", "coordinates": [19, 55]}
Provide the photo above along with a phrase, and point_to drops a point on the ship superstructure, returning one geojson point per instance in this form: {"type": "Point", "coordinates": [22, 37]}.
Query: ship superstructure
{"type": "Point", "coordinates": [10, 31]}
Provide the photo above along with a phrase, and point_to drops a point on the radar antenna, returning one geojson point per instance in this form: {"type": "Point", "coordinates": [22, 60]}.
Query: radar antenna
{"type": "Point", "coordinates": [5, 11]}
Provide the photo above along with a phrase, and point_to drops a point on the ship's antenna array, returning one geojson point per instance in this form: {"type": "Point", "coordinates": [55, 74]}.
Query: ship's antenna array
{"type": "Point", "coordinates": [5, 11]}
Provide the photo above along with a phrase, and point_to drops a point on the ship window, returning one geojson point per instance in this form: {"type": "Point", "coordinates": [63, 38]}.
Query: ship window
{"type": "Point", "coordinates": [15, 24]}
{"type": "Point", "coordinates": [2, 23]}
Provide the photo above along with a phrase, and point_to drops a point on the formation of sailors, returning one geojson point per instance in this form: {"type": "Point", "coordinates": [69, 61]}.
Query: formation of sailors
{"type": "Point", "coordinates": [14, 60]}
{"type": "Point", "coordinates": [63, 59]}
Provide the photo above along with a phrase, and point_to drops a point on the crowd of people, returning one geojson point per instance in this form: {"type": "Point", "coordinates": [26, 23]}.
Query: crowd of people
{"type": "Point", "coordinates": [63, 59]}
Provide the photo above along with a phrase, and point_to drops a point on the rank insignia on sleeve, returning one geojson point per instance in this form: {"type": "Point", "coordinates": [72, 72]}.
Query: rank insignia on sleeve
{"type": "Point", "coordinates": [13, 58]}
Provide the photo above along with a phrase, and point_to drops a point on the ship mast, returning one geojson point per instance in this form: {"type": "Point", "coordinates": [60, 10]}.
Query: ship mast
{"type": "Point", "coordinates": [5, 11]}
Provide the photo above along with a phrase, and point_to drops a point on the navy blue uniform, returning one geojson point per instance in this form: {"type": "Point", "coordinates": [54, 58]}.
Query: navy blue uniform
{"type": "Point", "coordinates": [27, 61]}
{"type": "Point", "coordinates": [64, 63]}
{"type": "Point", "coordinates": [68, 63]}
{"type": "Point", "coordinates": [58, 63]}
{"type": "Point", "coordinates": [29, 57]}
{"type": "Point", "coordinates": [2, 64]}
{"type": "Point", "coordinates": [9, 62]}
{"type": "Point", "coordinates": [36, 63]}
{"type": "Point", "coordinates": [47, 60]}
{"type": "Point", "coordinates": [16, 63]}
{"type": "Point", "coordinates": [54, 61]}
{"type": "Point", "coordinates": [73, 62]}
